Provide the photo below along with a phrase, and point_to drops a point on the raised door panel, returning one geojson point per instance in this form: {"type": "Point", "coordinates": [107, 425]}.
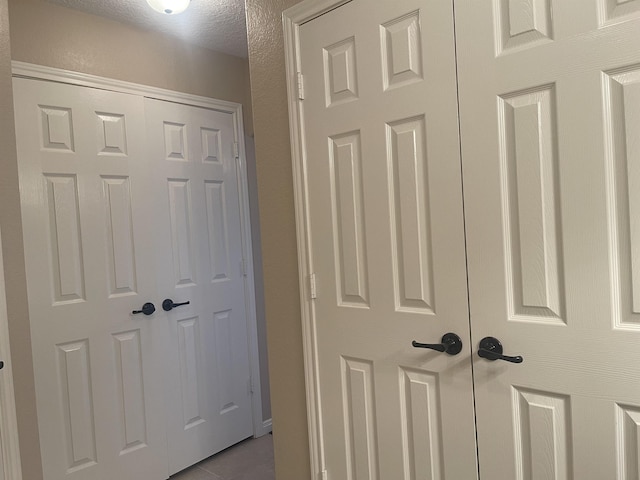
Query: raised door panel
{"type": "Point", "coordinates": [175, 141]}
{"type": "Point", "coordinates": [411, 216]}
{"type": "Point", "coordinates": [341, 77]}
{"type": "Point", "coordinates": [531, 205]}
{"type": "Point", "coordinates": [190, 371]}
{"type": "Point", "coordinates": [347, 201]}
{"type": "Point", "coordinates": [133, 416]}
{"type": "Point", "coordinates": [621, 92]}
{"type": "Point", "coordinates": [628, 444]}
{"type": "Point", "coordinates": [226, 401]}
{"type": "Point", "coordinates": [402, 51]}
{"type": "Point", "coordinates": [360, 411]}
{"type": "Point", "coordinates": [121, 242]}
{"type": "Point", "coordinates": [56, 128]}
{"type": "Point", "coordinates": [618, 10]}
{"type": "Point", "coordinates": [78, 407]}
{"type": "Point", "coordinates": [211, 145]}
{"type": "Point", "coordinates": [543, 428]}
{"type": "Point", "coordinates": [181, 231]}
{"type": "Point", "coordinates": [218, 230]}
{"type": "Point", "coordinates": [65, 241]}
{"type": "Point", "coordinates": [422, 427]}
{"type": "Point", "coordinates": [523, 23]}
{"type": "Point", "coordinates": [112, 134]}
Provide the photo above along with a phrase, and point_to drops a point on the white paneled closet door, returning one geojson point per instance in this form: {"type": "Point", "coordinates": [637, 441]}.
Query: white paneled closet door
{"type": "Point", "coordinates": [550, 126]}
{"type": "Point", "coordinates": [127, 202]}
{"type": "Point", "coordinates": [86, 206]}
{"type": "Point", "coordinates": [382, 173]}
{"type": "Point", "coordinates": [550, 118]}
{"type": "Point", "coordinates": [197, 228]}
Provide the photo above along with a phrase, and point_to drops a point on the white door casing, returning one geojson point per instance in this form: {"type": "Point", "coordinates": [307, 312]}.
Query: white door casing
{"type": "Point", "coordinates": [86, 218]}
{"type": "Point", "coordinates": [550, 112]}
{"type": "Point", "coordinates": [200, 260]}
{"type": "Point", "coordinates": [383, 220]}
{"type": "Point", "coordinates": [240, 235]}
{"type": "Point", "coordinates": [10, 468]}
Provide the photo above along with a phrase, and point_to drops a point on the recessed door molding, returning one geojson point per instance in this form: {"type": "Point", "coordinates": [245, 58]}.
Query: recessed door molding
{"type": "Point", "coordinates": [38, 72]}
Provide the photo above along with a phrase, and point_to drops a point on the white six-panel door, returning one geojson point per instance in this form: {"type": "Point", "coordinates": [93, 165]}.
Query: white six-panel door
{"type": "Point", "coordinates": [87, 210]}
{"type": "Point", "coordinates": [549, 115]}
{"type": "Point", "coordinates": [550, 127]}
{"type": "Point", "coordinates": [199, 260]}
{"type": "Point", "coordinates": [387, 242]}
{"type": "Point", "coordinates": [128, 201]}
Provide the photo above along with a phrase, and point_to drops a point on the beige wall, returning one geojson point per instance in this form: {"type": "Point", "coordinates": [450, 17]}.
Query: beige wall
{"type": "Point", "coordinates": [16, 289]}
{"type": "Point", "coordinates": [277, 223]}
{"type": "Point", "coordinates": [55, 36]}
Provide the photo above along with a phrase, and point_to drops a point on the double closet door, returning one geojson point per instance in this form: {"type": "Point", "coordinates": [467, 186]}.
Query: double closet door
{"type": "Point", "coordinates": [129, 202]}
{"type": "Point", "coordinates": [470, 170]}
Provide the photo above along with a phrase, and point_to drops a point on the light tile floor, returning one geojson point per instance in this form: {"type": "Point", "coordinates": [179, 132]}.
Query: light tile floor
{"type": "Point", "coordinates": [251, 459]}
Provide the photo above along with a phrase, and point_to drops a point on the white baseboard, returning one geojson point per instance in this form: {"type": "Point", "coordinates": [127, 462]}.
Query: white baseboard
{"type": "Point", "coordinates": [262, 429]}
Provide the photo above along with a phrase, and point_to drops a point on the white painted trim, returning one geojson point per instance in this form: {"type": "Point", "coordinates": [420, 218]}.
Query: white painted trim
{"type": "Point", "coordinates": [249, 278]}
{"type": "Point", "coordinates": [8, 420]}
{"type": "Point", "coordinates": [267, 425]}
{"type": "Point", "coordinates": [293, 18]}
{"type": "Point", "coordinates": [38, 72]}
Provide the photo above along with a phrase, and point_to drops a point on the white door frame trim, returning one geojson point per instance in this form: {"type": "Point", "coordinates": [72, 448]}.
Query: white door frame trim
{"type": "Point", "coordinates": [10, 451]}
{"type": "Point", "coordinates": [292, 19]}
{"type": "Point", "coordinates": [39, 72]}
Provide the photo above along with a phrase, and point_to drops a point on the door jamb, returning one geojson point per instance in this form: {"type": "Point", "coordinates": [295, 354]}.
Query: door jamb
{"type": "Point", "coordinates": [292, 19]}
{"type": "Point", "coordinates": [38, 72]}
{"type": "Point", "coordinates": [9, 450]}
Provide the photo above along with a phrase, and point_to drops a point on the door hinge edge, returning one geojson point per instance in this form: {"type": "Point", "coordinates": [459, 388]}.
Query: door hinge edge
{"type": "Point", "coordinates": [236, 150]}
{"type": "Point", "coordinates": [300, 83]}
{"type": "Point", "coordinates": [323, 475]}
{"type": "Point", "coordinates": [313, 293]}
{"type": "Point", "coordinates": [243, 267]}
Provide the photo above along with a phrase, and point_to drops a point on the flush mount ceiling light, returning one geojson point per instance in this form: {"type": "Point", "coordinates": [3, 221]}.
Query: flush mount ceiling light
{"type": "Point", "coordinates": [170, 7]}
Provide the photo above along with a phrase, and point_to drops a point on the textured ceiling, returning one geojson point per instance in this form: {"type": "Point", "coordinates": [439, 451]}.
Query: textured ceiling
{"type": "Point", "coordinates": [215, 24]}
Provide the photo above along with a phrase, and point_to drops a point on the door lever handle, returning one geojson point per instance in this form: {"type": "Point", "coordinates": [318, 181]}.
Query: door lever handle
{"type": "Point", "coordinates": [490, 348]}
{"type": "Point", "coordinates": [451, 344]}
{"type": "Point", "coordinates": [147, 309]}
{"type": "Point", "coordinates": [168, 305]}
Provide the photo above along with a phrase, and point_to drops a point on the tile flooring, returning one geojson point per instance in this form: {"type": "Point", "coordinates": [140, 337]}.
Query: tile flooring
{"type": "Point", "coordinates": [251, 459]}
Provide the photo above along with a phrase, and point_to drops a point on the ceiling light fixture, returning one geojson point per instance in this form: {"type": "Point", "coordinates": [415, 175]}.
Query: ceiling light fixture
{"type": "Point", "coordinates": [169, 7]}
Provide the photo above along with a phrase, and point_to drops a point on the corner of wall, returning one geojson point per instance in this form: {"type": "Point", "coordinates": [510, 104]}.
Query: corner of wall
{"type": "Point", "coordinates": [14, 268]}
{"type": "Point", "coordinates": [278, 231]}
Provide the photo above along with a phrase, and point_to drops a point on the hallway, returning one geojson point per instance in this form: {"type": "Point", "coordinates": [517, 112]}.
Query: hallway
{"type": "Point", "coordinates": [251, 459]}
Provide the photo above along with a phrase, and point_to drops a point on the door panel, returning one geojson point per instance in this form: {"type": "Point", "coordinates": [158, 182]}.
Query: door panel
{"type": "Point", "coordinates": [548, 140]}
{"type": "Point", "coordinates": [85, 206]}
{"type": "Point", "coordinates": [387, 240]}
{"type": "Point", "coordinates": [118, 213]}
{"type": "Point", "coordinates": [199, 258]}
